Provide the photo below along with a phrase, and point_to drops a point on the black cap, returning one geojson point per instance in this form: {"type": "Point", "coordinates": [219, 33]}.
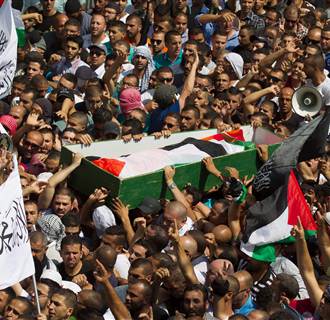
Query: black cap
{"type": "Point", "coordinates": [150, 205]}
{"type": "Point", "coordinates": [85, 73]}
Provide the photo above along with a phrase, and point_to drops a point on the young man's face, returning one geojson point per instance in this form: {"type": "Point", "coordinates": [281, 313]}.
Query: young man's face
{"type": "Point", "coordinates": [71, 50]}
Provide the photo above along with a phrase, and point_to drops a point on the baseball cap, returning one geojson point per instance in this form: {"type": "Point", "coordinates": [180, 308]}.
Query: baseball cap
{"type": "Point", "coordinates": [99, 46]}
{"type": "Point", "coordinates": [85, 73]}
{"type": "Point", "coordinates": [52, 275]}
{"type": "Point", "coordinates": [150, 205]}
{"type": "Point", "coordinates": [9, 123]}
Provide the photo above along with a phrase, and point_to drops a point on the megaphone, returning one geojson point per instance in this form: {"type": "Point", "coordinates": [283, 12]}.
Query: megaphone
{"type": "Point", "coordinates": [307, 101]}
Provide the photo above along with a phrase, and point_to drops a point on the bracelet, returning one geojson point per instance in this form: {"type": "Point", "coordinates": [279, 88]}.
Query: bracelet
{"type": "Point", "coordinates": [172, 186]}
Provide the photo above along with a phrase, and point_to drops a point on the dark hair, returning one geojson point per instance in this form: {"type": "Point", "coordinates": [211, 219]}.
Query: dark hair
{"type": "Point", "coordinates": [229, 253]}
{"type": "Point", "coordinates": [122, 43]}
{"type": "Point", "coordinates": [71, 239]}
{"type": "Point", "coordinates": [73, 22]}
{"type": "Point", "coordinates": [89, 314]}
{"type": "Point", "coordinates": [71, 78]}
{"type": "Point", "coordinates": [192, 108]}
{"type": "Point", "coordinates": [21, 79]}
{"type": "Point", "coordinates": [77, 39]}
{"type": "Point", "coordinates": [119, 232]}
{"type": "Point", "coordinates": [37, 59]}
{"type": "Point", "coordinates": [79, 115]}
{"type": "Point", "coordinates": [71, 219]}
{"type": "Point", "coordinates": [65, 191]}
{"type": "Point", "coordinates": [102, 115]}
{"type": "Point", "coordinates": [48, 131]}
{"type": "Point", "coordinates": [148, 245]}
{"type": "Point", "coordinates": [54, 155]}
{"type": "Point", "coordinates": [165, 69]}
{"type": "Point", "coordinates": [135, 124]}
{"type": "Point", "coordinates": [197, 287]}
{"type": "Point", "coordinates": [134, 16]}
{"type": "Point", "coordinates": [29, 307]}
{"type": "Point", "coordinates": [161, 239]}
{"type": "Point", "coordinates": [118, 24]}
{"type": "Point", "coordinates": [194, 31]}
{"type": "Point", "coordinates": [170, 34]}
{"type": "Point", "coordinates": [70, 297]}
{"type": "Point", "coordinates": [282, 315]}
{"type": "Point", "coordinates": [288, 284]}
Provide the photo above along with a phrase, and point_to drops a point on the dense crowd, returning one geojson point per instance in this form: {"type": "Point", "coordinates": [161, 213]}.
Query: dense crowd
{"type": "Point", "coordinates": [113, 69]}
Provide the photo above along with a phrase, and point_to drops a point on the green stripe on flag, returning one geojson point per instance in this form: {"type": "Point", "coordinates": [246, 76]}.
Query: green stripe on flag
{"type": "Point", "coordinates": [20, 38]}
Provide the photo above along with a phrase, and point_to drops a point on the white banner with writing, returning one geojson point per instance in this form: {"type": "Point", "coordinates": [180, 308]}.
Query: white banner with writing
{"type": "Point", "coordinates": [16, 261]}
{"type": "Point", "coordinates": [8, 48]}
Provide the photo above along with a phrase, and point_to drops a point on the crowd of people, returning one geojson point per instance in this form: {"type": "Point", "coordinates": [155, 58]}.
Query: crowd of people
{"type": "Point", "coordinates": [112, 69]}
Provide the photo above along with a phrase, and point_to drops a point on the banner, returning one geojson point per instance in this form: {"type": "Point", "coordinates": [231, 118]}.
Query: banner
{"type": "Point", "coordinates": [8, 48]}
{"type": "Point", "coordinates": [16, 261]}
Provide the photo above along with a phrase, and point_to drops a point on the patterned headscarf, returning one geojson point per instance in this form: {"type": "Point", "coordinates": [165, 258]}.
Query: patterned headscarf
{"type": "Point", "coordinates": [144, 51]}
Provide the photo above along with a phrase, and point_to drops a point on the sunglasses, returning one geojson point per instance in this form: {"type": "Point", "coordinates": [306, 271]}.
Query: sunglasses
{"type": "Point", "coordinates": [164, 80]}
{"type": "Point", "coordinates": [155, 41]}
{"type": "Point", "coordinates": [33, 146]}
{"type": "Point", "coordinates": [96, 53]}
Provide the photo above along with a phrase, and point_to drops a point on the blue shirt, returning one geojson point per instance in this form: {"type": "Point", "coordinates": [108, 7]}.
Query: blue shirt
{"type": "Point", "coordinates": [327, 61]}
{"type": "Point", "coordinates": [163, 60]}
{"type": "Point", "coordinates": [157, 116]}
{"type": "Point", "coordinates": [247, 307]}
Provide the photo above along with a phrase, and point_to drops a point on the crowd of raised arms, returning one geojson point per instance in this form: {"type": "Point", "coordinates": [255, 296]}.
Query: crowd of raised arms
{"type": "Point", "coordinates": [98, 70]}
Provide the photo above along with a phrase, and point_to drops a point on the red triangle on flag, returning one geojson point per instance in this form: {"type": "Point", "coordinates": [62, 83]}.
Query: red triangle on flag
{"type": "Point", "coordinates": [297, 206]}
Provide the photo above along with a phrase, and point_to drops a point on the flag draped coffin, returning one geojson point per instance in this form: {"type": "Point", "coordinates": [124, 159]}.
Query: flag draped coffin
{"type": "Point", "coordinates": [8, 48]}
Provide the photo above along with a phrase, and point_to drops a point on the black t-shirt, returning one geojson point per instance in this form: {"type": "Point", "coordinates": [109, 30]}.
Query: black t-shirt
{"type": "Point", "coordinates": [47, 23]}
{"type": "Point", "coordinates": [86, 269]}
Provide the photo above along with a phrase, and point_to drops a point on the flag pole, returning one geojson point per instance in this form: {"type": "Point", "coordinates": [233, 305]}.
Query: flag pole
{"type": "Point", "coordinates": [36, 292]}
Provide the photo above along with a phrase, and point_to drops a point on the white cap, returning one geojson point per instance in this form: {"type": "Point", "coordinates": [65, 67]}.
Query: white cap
{"type": "Point", "coordinates": [71, 286]}
{"type": "Point", "coordinates": [52, 275]}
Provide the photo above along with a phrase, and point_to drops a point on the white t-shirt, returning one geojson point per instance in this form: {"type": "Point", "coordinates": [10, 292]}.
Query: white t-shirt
{"type": "Point", "coordinates": [323, 88]}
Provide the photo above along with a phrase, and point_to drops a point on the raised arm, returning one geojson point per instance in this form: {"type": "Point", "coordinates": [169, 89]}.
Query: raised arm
{"type": "Point", "coordinates": [122, 212]}
{"type": "Point", "coordinates": [117, 307]}
{"type": "Point", "coordinates": [323, 238]}
{"type": "Point", "coordinates": [305, 265]}
{"type": "Point", "coordinates": [47, 195]}
{"type": "Point", "coordinates": [169, 173]}
{"type": "Point", "coordinates": [183, 260]}
{"type": "Point", "coordinates": [189, 82]}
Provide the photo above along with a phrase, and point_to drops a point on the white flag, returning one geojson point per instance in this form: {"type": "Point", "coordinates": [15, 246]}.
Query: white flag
{"type": "Point", "coordinates": [16, 261]}
{"type": "Point", "coordinates": [8, 48]}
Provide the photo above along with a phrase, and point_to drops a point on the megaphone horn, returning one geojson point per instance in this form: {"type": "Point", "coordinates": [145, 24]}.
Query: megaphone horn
{"type": "Point", "coordinates": [307, 101]}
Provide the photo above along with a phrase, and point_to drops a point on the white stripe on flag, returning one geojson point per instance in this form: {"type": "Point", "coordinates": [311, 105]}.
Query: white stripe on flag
{"type": "Point", "coordinates": [8, 48]}
{"type": "Point", "coordinates": [16, 261]}
{"type": "Point", "coordinates": [277, 230]}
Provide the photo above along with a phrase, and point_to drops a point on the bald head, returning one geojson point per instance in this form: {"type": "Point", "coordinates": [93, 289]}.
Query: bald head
{"type": "Point", "coordinates": [190, 246]}
{"type": "Point", "coordinates": [222, 234]}
{"type": "Point", "coordinates": [218, 269]}
{"type": "Point", "coordinates": [244, 278]}
{"type": "Point", "coordinates": [107, 256]}
{"type": "Point", "coordinates": [258, 315]}
{"type": "Point", "coordinates": [175, 210]}
{"type": "Point", "coordinates": [61, 19]}
{"type": "Point", "coordinates": [314, 34]}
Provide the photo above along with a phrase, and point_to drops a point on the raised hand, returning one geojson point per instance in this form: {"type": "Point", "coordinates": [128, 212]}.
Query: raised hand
{"type": "Point", "coordinates": [298, 231]}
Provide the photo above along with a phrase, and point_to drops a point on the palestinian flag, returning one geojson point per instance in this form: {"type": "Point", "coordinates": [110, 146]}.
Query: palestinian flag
{"type": "Point", "coordinates": [190, 150]}
{"type": "Point", "coordinates": [306, 143]}
{"type": "Point", "coordinates": [270, 221]}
